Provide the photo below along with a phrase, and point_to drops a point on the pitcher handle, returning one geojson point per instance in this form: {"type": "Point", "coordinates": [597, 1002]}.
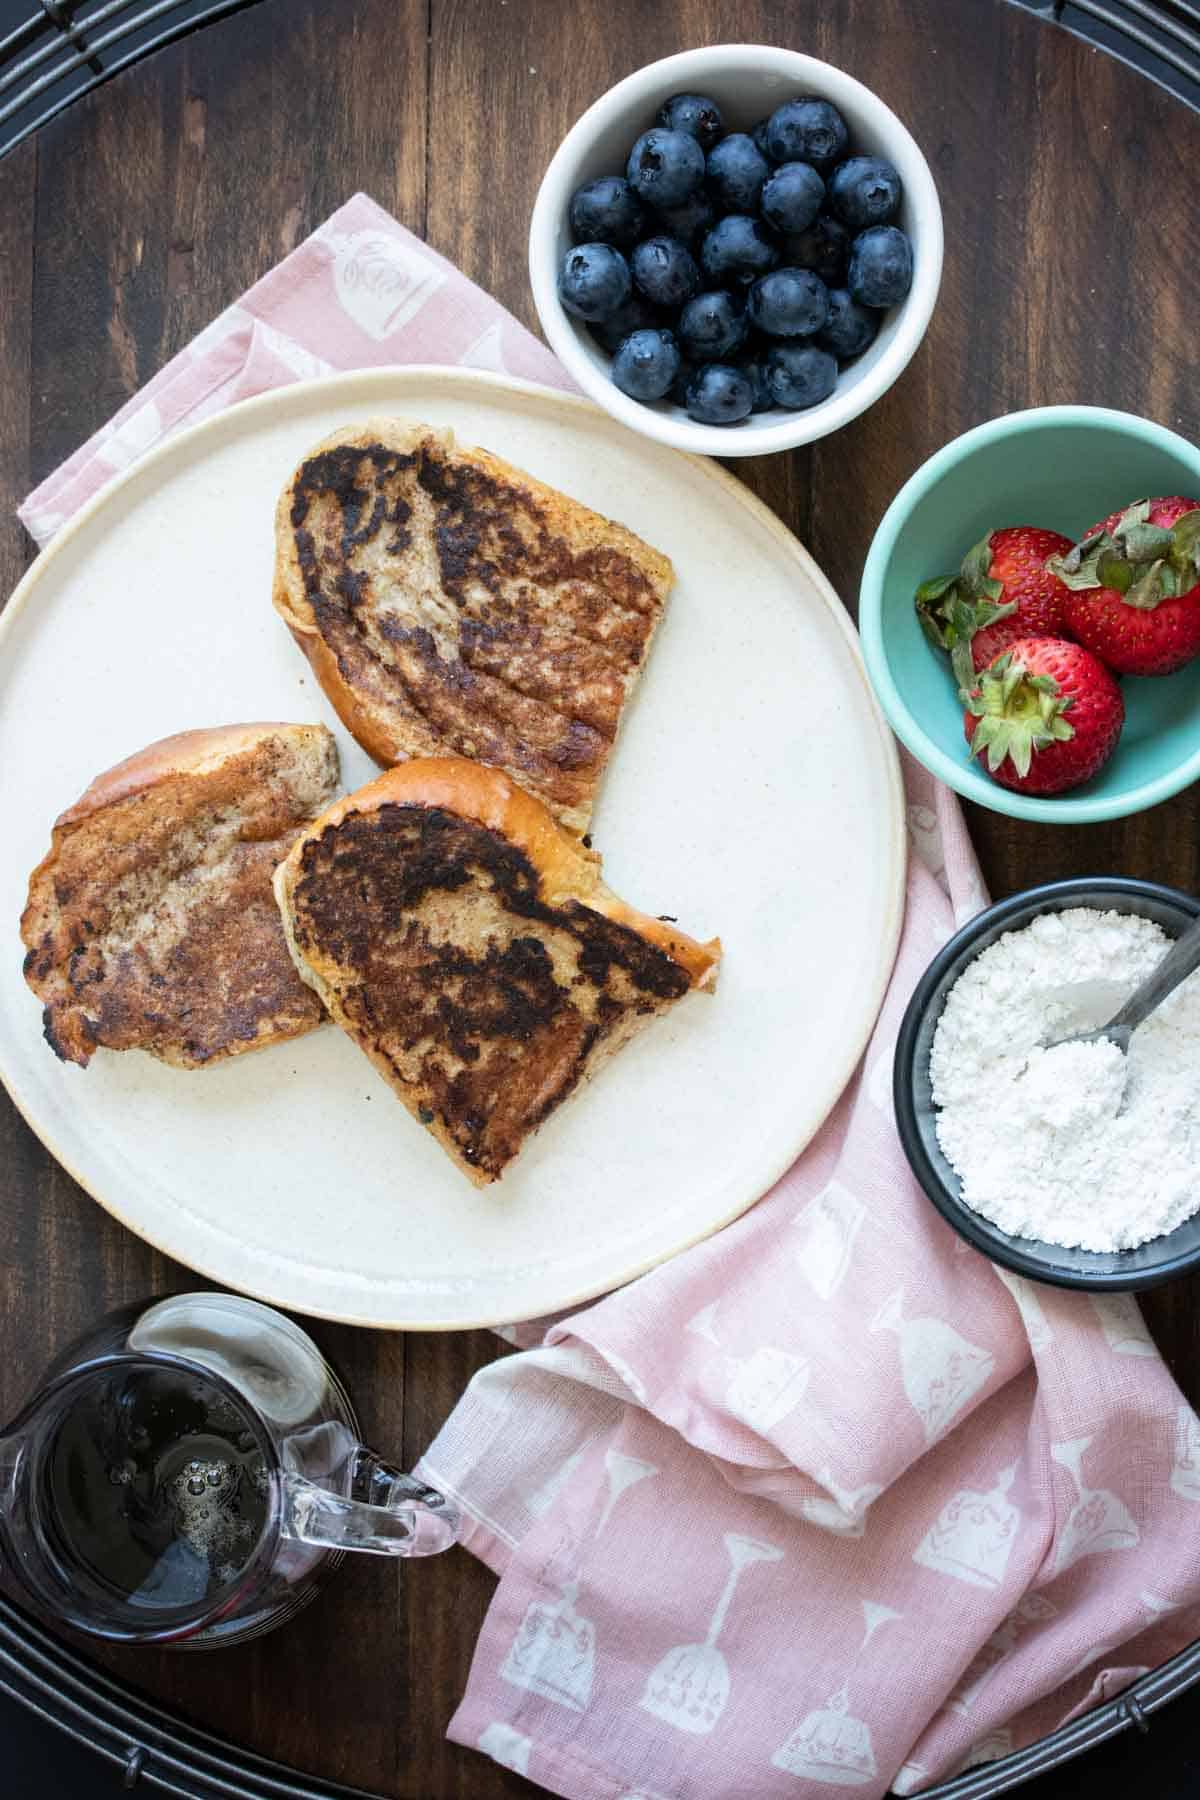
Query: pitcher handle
{"type": "Point", "coordinates": [388, 1513]}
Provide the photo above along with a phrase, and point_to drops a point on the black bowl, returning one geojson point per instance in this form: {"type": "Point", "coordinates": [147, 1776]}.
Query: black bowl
{"type": "Point", "coordinates": [1163, 1258]}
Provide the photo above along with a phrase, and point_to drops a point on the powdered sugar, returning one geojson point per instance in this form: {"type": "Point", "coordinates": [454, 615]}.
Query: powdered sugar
{"type": "Point", "coordinates": [1040, 1138]}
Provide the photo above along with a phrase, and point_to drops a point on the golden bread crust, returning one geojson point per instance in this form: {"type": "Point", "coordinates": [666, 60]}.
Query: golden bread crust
{"type": "Point", "coordinates": [451, 603]}
{"type": "Point", "coordinates": [150, 923]}
{"type": "Point", "coordinates": [183, 753]}
{"type": "Point", "coordinates": [470, 947]}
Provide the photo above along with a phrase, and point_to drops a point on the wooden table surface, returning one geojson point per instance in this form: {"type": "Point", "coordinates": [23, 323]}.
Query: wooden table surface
{"type": "Point", "coordinates": [126, 225]}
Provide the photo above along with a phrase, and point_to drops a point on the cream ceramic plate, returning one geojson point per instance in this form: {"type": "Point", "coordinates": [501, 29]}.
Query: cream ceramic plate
{"type": "Point", "coordinates": [754, 793]}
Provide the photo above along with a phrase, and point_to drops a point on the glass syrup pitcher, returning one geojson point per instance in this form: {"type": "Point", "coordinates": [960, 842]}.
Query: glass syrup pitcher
{"type": "Point", "coordinates": [191, 1473]}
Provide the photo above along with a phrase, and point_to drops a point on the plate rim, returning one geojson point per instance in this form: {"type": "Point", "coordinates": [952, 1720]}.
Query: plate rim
{"type": "Point", "coordinates": [182, 445]}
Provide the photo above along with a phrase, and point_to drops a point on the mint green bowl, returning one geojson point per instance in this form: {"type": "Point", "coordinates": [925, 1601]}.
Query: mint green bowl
{"type": "Point", "coordinates": [1059, 466]}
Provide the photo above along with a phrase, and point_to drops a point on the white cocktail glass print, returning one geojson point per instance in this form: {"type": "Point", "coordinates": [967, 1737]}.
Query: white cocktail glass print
{"type": "Point", "coordinates": [1185, 1476]}
{"type": "Point", "coordinates": [381, 284]}
{"type": "Point", "coordinates": [506, 1746]}
{"type": "Point", "coordinates": [992, 1748]}
{"type": "Point", "coordinates": [554, 1652]}
{"type": "Point", "coordinates": [761, 1389]}
{"type": "Point", "coordinates": [622, 1473]}
{"type": "Point", "coordinates": [1097, 1521]}
{"type": "Point", "coordinates": [844, 1513]}
{"type": "Point", "coordinates": [1030, 1610]}
{"type": "Point", "coordinates": [1123, 1325]}
{"type": "Point", "coordinates": [941, 1370]}
{"type": "Point", "coordinates": [1037, 1326]}
{"type": "Point", "coordinates": [629, 1376]}
{"type": "Point", "coordinates": [879, 1079]}
{"type": "Point", "coordinates": [487, 352]}
{"type": "Point", "coordinates": [830, 1745]}
{"type": "Point", "coordinates": [704, 1324]}
{"type": "Point", "coordinates": [541, 1501]}
{"type": "Point", "coordinates": [972, 1537]}
{"type": "Point", "coordinates": [828, 1226]}
{"type": "Point", "coordinates": [926, 835]}
{"type": "Point", "coordinates": [689, 1688]}
{"type": "Point", "coordinates": [764, 1387]}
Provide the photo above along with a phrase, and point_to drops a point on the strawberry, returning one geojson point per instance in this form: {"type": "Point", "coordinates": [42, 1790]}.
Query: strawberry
{"type": "Point", "coordinates": [1002, 592]}
{"type": "Point", "coordinates": [1134, 587]}
{"type": "Point", "coordinates": [1047, 714]}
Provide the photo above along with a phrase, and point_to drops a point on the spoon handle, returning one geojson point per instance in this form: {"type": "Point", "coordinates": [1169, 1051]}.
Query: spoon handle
{"type": "Point", "coordinates": [1176, 965]}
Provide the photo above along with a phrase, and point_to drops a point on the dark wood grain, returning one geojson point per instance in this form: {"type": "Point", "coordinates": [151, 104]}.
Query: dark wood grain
{"type": "Point", "coordinates": [146, 209]}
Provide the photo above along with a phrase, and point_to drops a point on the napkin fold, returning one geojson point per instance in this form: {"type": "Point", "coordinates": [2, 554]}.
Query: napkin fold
{"type": "Point", "coordinates": [826, 1500]}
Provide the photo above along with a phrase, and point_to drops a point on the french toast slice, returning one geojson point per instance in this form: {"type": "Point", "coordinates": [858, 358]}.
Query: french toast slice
{"type": "Point", "coordinates": [469, 946]}
{"type": "Point", "coordinates": [451, 604]}
{"type": "Point", "coordinates": [151, 923]}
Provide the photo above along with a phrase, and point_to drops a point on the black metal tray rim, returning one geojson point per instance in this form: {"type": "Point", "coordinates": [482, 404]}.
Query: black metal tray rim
{"type": "Point", "coordinates": [152, 1747]}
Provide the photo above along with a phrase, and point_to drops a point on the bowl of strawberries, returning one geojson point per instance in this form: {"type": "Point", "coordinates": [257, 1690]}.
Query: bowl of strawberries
{"type": "Point", "coordinates": [1030, 614]}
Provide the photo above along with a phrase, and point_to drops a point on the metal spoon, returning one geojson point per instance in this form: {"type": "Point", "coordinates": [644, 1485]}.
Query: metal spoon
{"type": "Point", "coordinates": [1176, 965]}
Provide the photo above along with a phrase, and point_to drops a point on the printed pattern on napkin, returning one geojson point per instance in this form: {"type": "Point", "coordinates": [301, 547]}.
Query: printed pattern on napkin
{"type": "Point", "coordinates": [1000, 1473]}
{"type": "Point", "coordinates": [826, 1501]}
{"type": "Point", "coordinates": [362, 292]}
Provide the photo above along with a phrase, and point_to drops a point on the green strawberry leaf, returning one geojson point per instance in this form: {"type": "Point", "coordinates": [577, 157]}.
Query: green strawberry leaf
{"type": "Point", "coordinates": [976, 581]}
{"type": "Point", "coordinates": [1007, 726]}
{"type": "Point", "coordinates": [1156, 585]}
{"type": "Point", "coordinates": [1185, 554]}
{"type": "Point", "coordinates": [1137, 514]}
{"type": "Point", "coordinates": [1062, 566]}
{"type": "Point", "coordinates": [1077, 573]}
{"type": "Point", "coordinates": [1112, 571]}
{"type": "Point", "coordinates": [1142, 543]}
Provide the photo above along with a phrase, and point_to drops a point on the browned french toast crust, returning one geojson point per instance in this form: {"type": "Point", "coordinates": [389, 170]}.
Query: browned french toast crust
{"type": "Point", "coordinates": [469, 946]}
{"type": "Point", "coordinates": [512, 1039]}
{"type": "Point", "coordinates": [151, 923]}
{"type": "Point", "coordinates": [451, 603]}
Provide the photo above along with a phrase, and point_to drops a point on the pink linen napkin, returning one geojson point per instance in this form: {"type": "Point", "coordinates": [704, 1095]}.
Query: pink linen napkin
{"type": "Point", "coordinates": [360, 293]}
{"type": "Point", "coordinates": [826, 1500]}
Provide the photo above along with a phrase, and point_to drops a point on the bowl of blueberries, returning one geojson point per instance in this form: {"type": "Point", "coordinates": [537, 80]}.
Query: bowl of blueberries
{"type": "Point", "coordinates": [736, 250]}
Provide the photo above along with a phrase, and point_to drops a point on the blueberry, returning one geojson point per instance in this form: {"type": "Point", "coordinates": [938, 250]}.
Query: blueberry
{"type": "Point", "coordinates": [849, 328]}
{"type": "Point", "coordinates": [865, 191]}
{"type": "Point", "coordinates": [754, 368]}
{"type": "Point", "coordinates": [737, 249]}
{"type": "Point", "coordinates": [792, 196]}
{"type": "Point", "coordinates": [824, 248]}
{"type": "Point", "coordinates": [634, 314]}
{"type": "Point", "coordinates": [606, 211]}
{"type": "Point", "coordinates": [719, 395]}
{"type": "Point", "coordinates": [646, 364]}
{"type": "Point", "coordinates": [664, 271]}
{"type": "Point", "coordinates": [696, 114]}
{"type": "Point", "coordinates": [759, 134]}
{"type": "Point", "coordinates": [881, 265]}
{"type": "Point", "coordinates": [807, 130]}
{"type": "Point", "coordinates": [682, 382]}
{"type": "Point", "coordinates": [593, 281]}
{"type": "Point", "coordinates": [736, 172]}
{"type": "Point", "coordinates": [665, 167]}
{"type": "Point", "coordinates": [800, 375]}
{"type": "Point", "coordinates": [789, 303]}
{"type": "Point", "coordinates": [689, 221]}
{"type": "Point", "coordinates": [710, 326]}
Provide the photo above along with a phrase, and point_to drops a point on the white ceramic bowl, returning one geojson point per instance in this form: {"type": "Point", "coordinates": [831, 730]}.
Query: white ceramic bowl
{"type": "Point", "coordinates": [748, 81]}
